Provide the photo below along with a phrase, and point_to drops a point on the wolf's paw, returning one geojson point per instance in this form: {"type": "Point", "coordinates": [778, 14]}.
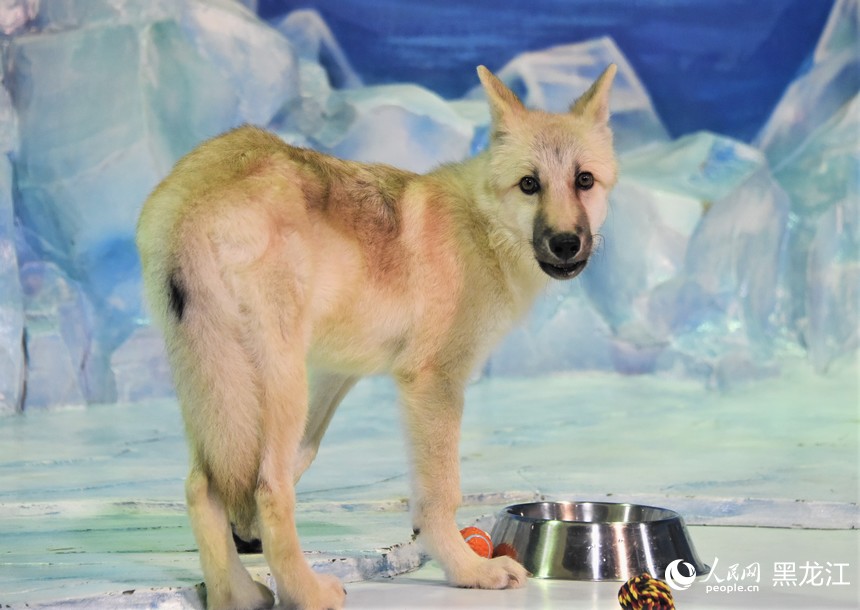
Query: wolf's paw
{"type": "Point", "coordinates": [331, 593]}
{"type": "Point", "coordinates": [497, 573]}
{"type": "Point", "coordinates": [324, 592]}
{"type": "Point", "coordinates": [256, 596]}
{"type": "Point", "coordinates": [264, 600]}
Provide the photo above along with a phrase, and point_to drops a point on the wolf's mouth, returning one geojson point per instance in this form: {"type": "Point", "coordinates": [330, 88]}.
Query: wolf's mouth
{"type": "Point", "coordinates": [563, 272]}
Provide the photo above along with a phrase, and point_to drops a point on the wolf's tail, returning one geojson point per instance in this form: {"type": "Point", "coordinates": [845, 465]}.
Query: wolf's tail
{"type": "Point", "coordinates": [193, 302]}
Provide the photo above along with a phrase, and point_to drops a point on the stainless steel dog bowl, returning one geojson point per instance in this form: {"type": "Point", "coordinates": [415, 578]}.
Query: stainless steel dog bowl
{"type": "Point", "coordinates": [594, 540]}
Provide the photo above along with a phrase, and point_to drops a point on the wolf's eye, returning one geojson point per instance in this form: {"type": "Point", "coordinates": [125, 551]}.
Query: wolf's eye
{"type": "Point", "coordinates": [584, 180]}
{"type": "Point", "coordinates": [529, 185]}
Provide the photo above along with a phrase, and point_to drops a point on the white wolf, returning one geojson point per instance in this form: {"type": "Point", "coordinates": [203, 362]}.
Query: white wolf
{"type": "Point", "coordinates": [280, 276]}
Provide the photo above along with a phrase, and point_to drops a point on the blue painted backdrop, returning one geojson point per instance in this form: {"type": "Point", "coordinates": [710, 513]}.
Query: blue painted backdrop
{"type": "Point", "coordinates": [719, 65]}
{"type": "Point", "coordinates": [752, 251]}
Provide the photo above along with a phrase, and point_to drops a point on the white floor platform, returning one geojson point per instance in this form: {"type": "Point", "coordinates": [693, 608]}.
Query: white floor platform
{"type": "Point", "coordinates": [91, 511]}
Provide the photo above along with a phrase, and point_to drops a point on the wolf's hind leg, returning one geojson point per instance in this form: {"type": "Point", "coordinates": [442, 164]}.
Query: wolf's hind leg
{"type": "Point", "coordinates": [285, 409]}
{"type": "Point", "coordinates": [228, 584]}
{"type": "Point", "coordinates": [279, 349]}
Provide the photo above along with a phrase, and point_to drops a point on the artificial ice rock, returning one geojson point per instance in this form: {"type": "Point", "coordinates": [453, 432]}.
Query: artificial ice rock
{"type": "Point", "coordinates": [830, 83]}
{"type": "Point", "coordinates": [811, 142]}
{"type": "Point", "coordinates": [59, 320]}
{"type": "Point", "coordinates": [12, 364]}
{"type": "Point", "coordinates": [842, 31]}
{"type": "Point", "coordinates": [15, 15]}
{"type": "Point", "coordinates": [830, 329]}
{"type": "Point", "coordinates": [84, 166]}
{"type": "Point", "coordinates": [59, 15]}
{"type": "Point", "coordinates": [402, 125]}
{"type": "Point", "coordinates": [703, 165]}
{"type": "Point", "coordinates": [185, 98]}
{"type": "Point", "coordinates": [665, 192]}
{"type": "Point", "coordinates": [694, 247]}
{"type": "Point", "coordinates": [140, 367]}
{"type": "Point", "coordinates": [736, 252]}
{"type": "Point", "coordinates": [74, 147]}
{"type": "Point", "coordinates": [825, 168]}
{"type": "Point", "coordinates": [313, 41]}
{"type": "Point", "coordinates": [562, 333]}
{"type": "Point", "coordinates": [51, 378]}
{"type": "Point", "coordinates": [108, 95]}
{"type": "Point", "coordinates": [307, 117]}
{"type": "Point", "coordinates": [257, 61]}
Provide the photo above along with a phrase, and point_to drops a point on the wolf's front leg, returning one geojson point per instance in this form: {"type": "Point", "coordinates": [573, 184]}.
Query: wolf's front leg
{"type": "Point", "coordinates": [434, 404]}
{"type": "Point", "coordinates": [327, 390]}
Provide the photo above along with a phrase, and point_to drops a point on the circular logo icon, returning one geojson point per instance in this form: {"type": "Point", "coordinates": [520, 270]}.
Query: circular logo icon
{"type": "Point", "coordinates": [675, 576]}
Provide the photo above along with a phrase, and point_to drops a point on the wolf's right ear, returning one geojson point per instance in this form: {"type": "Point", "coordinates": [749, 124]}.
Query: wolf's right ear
{"type": "Point", "coordinates": [504, 104]}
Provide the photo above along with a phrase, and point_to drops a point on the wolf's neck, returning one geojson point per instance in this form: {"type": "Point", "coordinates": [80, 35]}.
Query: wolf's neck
{"type": "Point", "coordinates": [468, 182]}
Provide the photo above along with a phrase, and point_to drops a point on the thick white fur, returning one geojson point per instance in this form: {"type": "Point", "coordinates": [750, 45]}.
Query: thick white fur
{"type": "Point", "coordinates": [280, 276]}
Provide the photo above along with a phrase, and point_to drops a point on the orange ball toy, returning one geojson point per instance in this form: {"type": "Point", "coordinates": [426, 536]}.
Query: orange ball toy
{"type": "Point", "coordinates": [478, 540]}
{"type": "Point", "coordinates": [507, 550]}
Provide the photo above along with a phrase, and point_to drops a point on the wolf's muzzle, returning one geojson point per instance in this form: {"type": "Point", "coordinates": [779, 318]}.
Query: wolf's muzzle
{"type": "Point", "coordinates": [562, 255]}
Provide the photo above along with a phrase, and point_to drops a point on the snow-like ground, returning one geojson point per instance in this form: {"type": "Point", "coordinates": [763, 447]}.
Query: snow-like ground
{"type": "Point", "coordinates": [92, 500]}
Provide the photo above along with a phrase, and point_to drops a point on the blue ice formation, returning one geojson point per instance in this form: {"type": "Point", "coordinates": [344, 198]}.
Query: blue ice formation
{"type": "Point", "coordinates": [811, 142]}
{"type": "Point", "coordinates": [12, 366]}
{"type": "Point", "coordinates": [717, 257]}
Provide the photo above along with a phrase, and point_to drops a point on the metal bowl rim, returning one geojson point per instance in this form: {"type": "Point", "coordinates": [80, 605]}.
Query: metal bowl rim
{"type": "Point", "coordinates": [670, 514]}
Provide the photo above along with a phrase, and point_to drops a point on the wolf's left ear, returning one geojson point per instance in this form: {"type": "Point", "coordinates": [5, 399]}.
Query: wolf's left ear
{"type": "Point", "coordinates": [594, 103]}
{"type": "Point", "coordinates": [504, 104]}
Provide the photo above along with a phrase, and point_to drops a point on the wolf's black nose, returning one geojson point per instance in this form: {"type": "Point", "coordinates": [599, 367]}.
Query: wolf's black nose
{"type": "Point", "coordinates": [565, 246]}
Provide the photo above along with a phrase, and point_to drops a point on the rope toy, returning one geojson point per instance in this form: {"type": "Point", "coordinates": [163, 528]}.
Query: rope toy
{"type": "Point", "coordinates": [645, 593]}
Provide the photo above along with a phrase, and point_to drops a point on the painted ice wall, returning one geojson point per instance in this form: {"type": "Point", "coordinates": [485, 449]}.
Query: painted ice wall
{"type": "Point", "coordinates": [723, 252]}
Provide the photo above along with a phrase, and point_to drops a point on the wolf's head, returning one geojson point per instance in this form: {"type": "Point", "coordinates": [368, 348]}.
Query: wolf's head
{"type": "Point", "coordinates": [552, 173]}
